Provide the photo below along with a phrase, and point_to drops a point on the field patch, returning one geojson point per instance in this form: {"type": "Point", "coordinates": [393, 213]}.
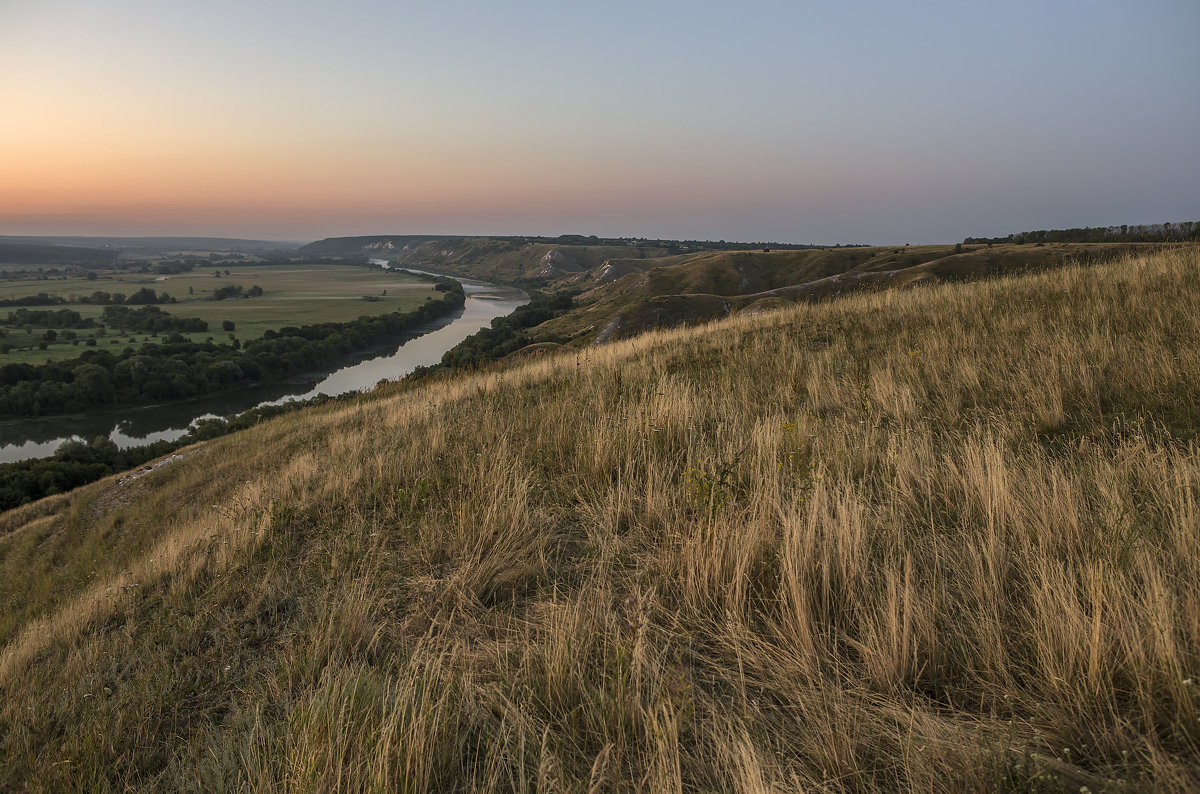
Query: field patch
{"type": "Point", "coordinates": [292, 295]}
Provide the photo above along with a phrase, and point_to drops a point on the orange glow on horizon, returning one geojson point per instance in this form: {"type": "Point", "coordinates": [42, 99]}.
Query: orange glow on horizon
{"type": "Point", "coordinates": [155, 181]}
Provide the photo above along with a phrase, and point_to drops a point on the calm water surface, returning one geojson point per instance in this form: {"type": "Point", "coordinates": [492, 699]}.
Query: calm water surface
{"type": "Point", "coordinates": [135, 426]}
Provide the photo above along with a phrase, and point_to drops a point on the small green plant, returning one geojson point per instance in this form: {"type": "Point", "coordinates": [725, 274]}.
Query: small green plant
{"type": "Point", "coordinates": [714, 486]}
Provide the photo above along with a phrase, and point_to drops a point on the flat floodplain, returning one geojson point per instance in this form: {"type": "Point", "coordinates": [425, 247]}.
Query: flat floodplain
{"type": "Point", "coordinates": [293, 295]}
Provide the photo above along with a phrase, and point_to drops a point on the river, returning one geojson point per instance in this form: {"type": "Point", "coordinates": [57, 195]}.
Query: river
{"type": "Point", "coordinates": [130, 427]}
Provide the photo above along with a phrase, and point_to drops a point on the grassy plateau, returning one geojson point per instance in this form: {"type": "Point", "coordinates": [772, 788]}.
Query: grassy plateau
{"type": "Point", "coordinates": [942, 538]}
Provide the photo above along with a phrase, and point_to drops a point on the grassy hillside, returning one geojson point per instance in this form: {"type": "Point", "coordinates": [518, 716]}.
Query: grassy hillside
{"type": "Point", "coordinates": [626, 287]}
{"type": "Point", "coordinates": [515, 261]}
{"type": "Point", "coordinates": [527, 261]}
{"type": "Point", "coordinates": [672, 291]}
{"type": "Point", "coordinates": [549, 262]}
{"type": "Point", "coordinates": [933, 539]}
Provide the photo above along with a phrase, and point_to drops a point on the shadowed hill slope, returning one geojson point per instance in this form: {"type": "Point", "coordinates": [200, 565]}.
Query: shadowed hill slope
{"type": "Point", "coordinates": [526, 261]}
{"type": "Point", "coordinates": [707, 286]}
{"type": "Point", "coordinates": [935, 539]}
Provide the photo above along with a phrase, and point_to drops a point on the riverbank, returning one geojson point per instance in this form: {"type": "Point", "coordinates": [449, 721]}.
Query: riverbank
{"type": "Point", "coordinates": [139, 426]}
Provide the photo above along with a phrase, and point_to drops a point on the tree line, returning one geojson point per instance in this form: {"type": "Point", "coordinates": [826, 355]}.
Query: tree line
{"type": "Point", "coordinates": [49, 318]}
{"type": "Point", "coordinates": [506, 334]}
{"type": "Point", "coordinates": [143, 297]}
{"type": "Point", "coordinates": [236, 291]}
{"type": "Point", "coordinates": [150, 319]}
{"type": "Point", "coordinates": [1188, 231]}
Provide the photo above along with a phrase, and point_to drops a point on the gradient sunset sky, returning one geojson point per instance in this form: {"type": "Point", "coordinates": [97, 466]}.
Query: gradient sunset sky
{"type": "Point", "coordinates": [873, 121]}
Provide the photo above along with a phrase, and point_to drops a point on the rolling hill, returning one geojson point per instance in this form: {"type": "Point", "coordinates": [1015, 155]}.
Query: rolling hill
{"type": "Point", "coordinates": [137, 245]}
{"type": "Point", "coordinates": [627, 288]}
{"type": "Point", "coordinates": [672, 291]}
{"type": "Point", "coordinates": [896, 540]}
{"type": "Point", "coordinates": [528, 261]}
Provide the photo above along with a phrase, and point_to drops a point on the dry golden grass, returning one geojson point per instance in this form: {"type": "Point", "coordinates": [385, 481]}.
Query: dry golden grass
{"type": "Point", "coordinates": [938, 539]}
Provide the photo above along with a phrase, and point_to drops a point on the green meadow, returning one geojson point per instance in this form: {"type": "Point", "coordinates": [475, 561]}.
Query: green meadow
{"type": "Point", "coordinates": [296, 295]}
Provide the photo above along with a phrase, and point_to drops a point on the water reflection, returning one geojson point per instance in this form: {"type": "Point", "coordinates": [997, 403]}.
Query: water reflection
{"type": "Point", "coordinates": [135, 426]}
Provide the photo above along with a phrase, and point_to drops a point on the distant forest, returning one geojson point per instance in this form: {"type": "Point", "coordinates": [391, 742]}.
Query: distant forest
{"type": "Point", "coordinates": [35, 254]}
{"type": "Point", "coordinates": [1143, 233]}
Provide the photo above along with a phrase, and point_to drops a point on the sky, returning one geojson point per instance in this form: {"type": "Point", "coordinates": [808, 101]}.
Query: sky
{"type": "Point", "coordinates": [862, 121]}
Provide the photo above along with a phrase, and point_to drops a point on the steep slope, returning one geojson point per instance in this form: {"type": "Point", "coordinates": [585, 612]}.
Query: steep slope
{"type": "Point", "coordinates": [936, 539]}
